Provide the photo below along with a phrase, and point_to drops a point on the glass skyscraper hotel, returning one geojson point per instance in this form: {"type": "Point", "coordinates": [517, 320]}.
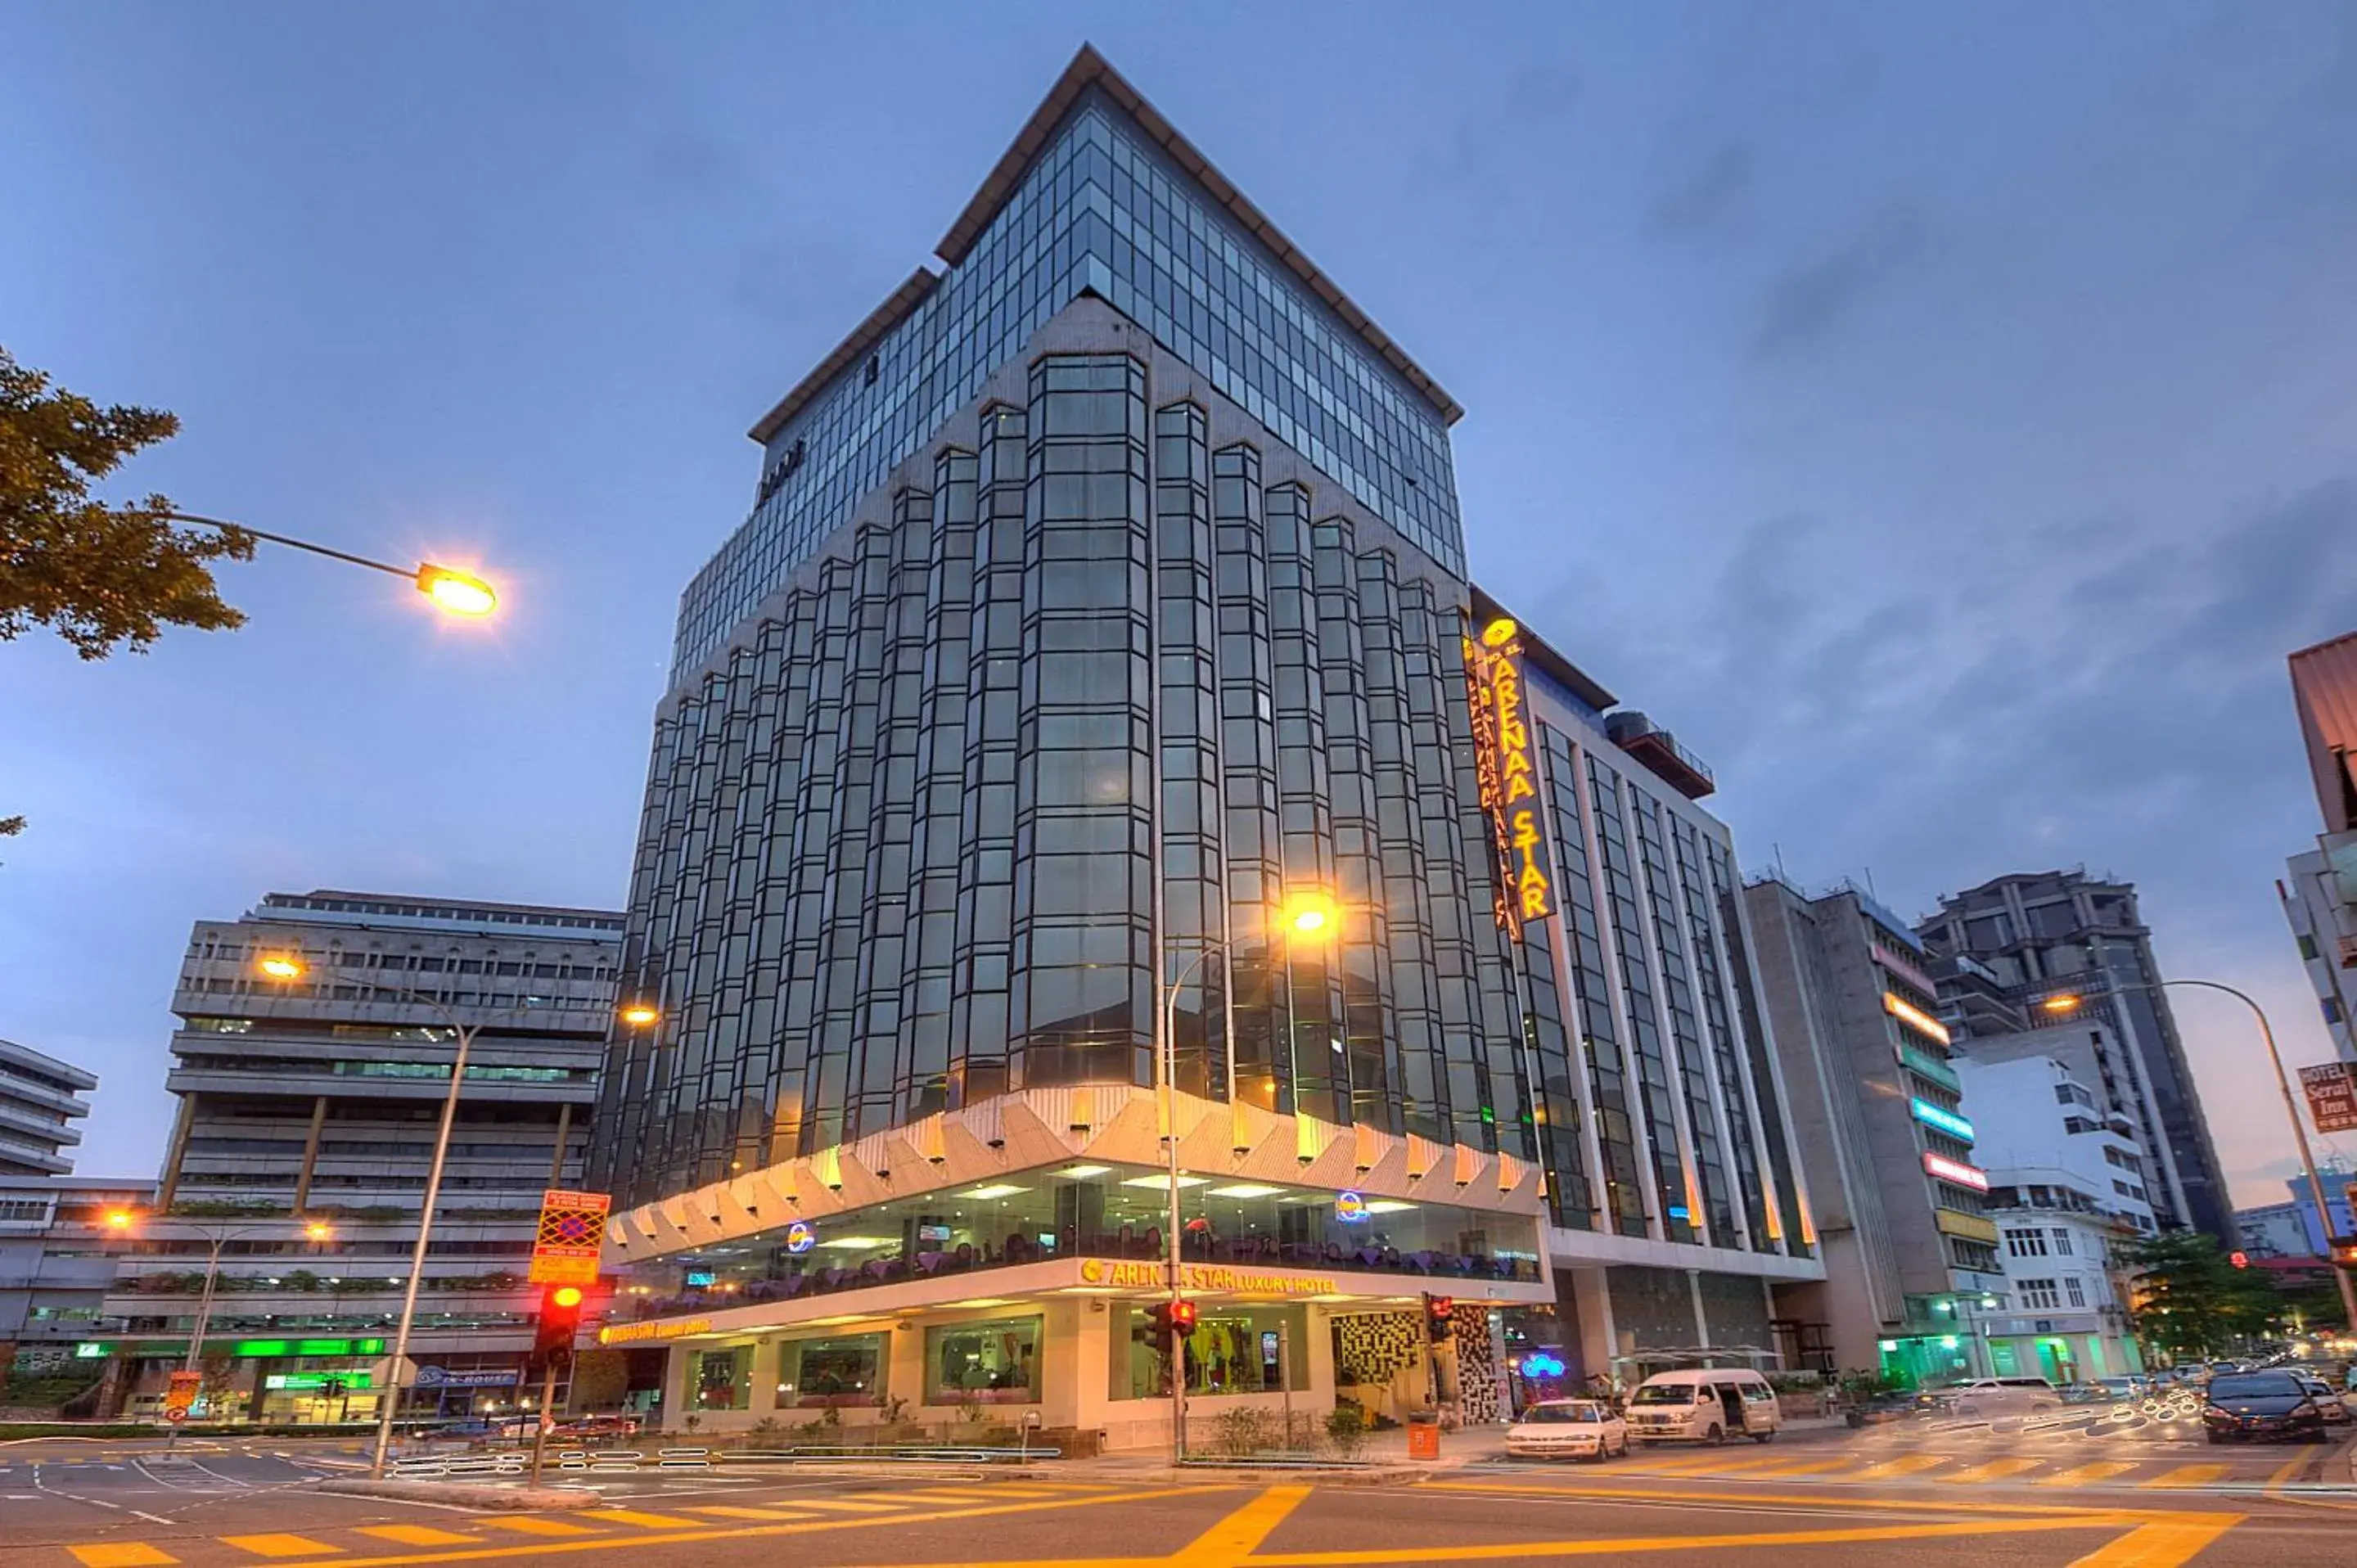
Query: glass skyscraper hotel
{"type": "Point", "coordinates": [1102, 605]}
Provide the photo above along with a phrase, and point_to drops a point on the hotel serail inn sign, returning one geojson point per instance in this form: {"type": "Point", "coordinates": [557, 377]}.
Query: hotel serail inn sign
{"type": "Point", "coordinates": [1509, 775]}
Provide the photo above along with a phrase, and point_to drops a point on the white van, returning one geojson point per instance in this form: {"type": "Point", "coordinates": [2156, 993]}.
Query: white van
{"type": "Point", "coordinates": [1709, 1404]}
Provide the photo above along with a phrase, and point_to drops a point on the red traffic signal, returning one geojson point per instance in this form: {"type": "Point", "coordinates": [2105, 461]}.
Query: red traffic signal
{"type": "Point", "coordinates": [1440, 1314]}
{"type": "Point", "coordinates": [2240, 1260]}
{"type": "Point", "coordinates": [559, 1321]}
{"type": "Point", "coordinates": [1170, 1321]}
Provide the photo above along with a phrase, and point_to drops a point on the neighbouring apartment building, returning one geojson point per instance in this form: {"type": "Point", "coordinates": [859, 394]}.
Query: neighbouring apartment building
{"type": "Point", "coordinates": [2062, 933]}
{"type": "Point", "coordinates": [2319, 894]}
{"type": "Point", "coordinates": [2066, 1194]}
{"type": "Point", "coordinates": [1901, 1198]}
{"type": "Point", "coordinates": [40, 1099]}
{"type": "Point", "coordinates": [318, 1100]}
{"type": "Point", "coordinates": [1102, 604]}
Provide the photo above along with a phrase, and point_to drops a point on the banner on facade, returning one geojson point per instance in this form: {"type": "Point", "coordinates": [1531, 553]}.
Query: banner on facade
{"type": "Point", "coordinates": [572, 1234]}
{"type": "Point", "coordinates": [1503, 746]}
{"type": "Point", "coordinates": [2331, 1090]}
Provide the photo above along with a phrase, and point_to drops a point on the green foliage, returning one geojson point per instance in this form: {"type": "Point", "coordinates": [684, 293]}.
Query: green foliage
{"type": "Point", "coordinates": [2189, 1301]}
{"type": "Point", "coordinates": [600, 1379]}
{"type": "Point", "coordinates": [1346, 1430]}
{"type": "Point", "coordinates": [1238, 1433]}
{"type": "Point", "coordinates": [99, 575]}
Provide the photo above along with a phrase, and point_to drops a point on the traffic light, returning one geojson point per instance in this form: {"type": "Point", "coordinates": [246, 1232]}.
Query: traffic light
{"type": "Point", "coordinates": [1440, 1314]}
{"type": "Point", "coordinates": [2345, 1254]}
{"type": "Point", "coordinates": [1170, 1322]}
{"type": "Point", "coordinates": [560, 1320]}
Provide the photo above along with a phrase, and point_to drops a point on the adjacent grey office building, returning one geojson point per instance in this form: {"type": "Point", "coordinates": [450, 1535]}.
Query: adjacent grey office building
{"type": "Point", "coordinates": [40, 1099]}
{"type": "Point", "coordinates": [1910, 1254]}
{"type": "Point", "coordinates": [319, 1098]}
{"type": "Point", "coordinates": [2049, 933]}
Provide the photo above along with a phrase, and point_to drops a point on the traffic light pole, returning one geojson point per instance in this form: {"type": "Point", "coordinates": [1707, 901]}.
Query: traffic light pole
{"type": "Point", "coordinates": [540, 1427]}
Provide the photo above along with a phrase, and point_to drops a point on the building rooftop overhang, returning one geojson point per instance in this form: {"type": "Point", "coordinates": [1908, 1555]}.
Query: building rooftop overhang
{"type": "Point", "coordinates": [1112, 1124]}
{"type": "Point", "coordinates": [1544, 656]}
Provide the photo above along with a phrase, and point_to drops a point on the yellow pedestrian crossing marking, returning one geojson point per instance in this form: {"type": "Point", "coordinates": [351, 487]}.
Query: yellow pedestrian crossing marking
{"type": "Point", "coordinates": [844, 1505]}
{"type": "Point", "coordinates": [2087, 1475]}
{"type": "Point", "coordinates": [121, 1554]}
{"type": "Point", "coordinates": [1805, 1467]}
{"type": "Point", "coordinates": [531, 1524]}
{"type": "Point", "coordinates": [417, 1535]}
{"type": "Point", "coordinates": [278, 1545]}
{"type": "Point", "coordinates": [1995, 1470]}
{"type": "Point", "coordinates": [1905, 1465]}
{"type": "Point", "coordinates": [2187, 1475]}
{"type": "Point", "coordinates": [643, 1520]}
{"type": "Point", "coordinates": [724, 1511]}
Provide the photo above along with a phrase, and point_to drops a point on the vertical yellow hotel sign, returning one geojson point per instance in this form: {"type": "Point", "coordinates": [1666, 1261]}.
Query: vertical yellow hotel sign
{"type": "Point", "coordinates": [1510, 789]}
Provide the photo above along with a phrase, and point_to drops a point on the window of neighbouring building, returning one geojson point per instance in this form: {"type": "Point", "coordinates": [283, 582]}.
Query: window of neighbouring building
{"type": "Point", "coordinates": [720, 1379]}
{"type": "Point", "coordinates": [2074, 1291]}
{"type": "Point", "coordinates": [2039, 1294]}
{"type": "Point", "coordinates": [2026, 1243]}
{"type": "Point", "coordinates": [2062, 1242]}
{"type": "Point", "coordinates": [845, 1371]}
{"type": "Point", "coordinates": [996, 1362]}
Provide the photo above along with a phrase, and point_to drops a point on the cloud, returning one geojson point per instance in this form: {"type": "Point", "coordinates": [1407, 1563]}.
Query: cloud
{"type": "Point", "coordinates": [1707, 197]}
{"type": "Point", "coordinates": [1810, 303]}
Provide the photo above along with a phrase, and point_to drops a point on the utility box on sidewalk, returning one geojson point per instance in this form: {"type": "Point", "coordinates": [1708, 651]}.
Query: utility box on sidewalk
{"type": "Point", "coordinates": [1424, 1436]}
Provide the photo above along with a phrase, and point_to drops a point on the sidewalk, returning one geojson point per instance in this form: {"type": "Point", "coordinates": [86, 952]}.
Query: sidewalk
{"type": "Point", "coordinates": [1385, 1452]}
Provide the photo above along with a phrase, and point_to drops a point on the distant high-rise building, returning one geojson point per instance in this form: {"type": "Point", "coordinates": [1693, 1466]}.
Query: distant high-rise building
{"type": "Point", "coordinates": [1909, 1252]}
{"type": "Point", "coordinates": [41, 1099]}
{"type": "Point", "coordinates": [319, 1098]}
{"type": "Point", "coordinates": [2320, 895]}
{"type": "Point", "coordinates": [2044, 934]}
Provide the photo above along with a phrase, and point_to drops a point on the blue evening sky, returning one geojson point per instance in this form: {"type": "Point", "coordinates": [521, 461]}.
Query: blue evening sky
{"type": "Point", "coordinates": [1945, 418]}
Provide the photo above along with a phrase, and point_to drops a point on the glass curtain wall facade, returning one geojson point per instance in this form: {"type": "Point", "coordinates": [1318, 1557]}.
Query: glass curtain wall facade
{"type": "Point", "coordinates": [1105, 598]}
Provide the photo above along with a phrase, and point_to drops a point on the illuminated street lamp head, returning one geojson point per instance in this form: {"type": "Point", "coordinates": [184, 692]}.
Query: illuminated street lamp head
{"type": "Point", "coordinates": [638, 1016]}
{"type": "Point", "coordinates": [459, 593]}
{"type": "Point", "coordinates": [2065, 1002]}
{"type": "Point", "coordinates": [318, 1231]}
{"type": "Point", "coordinates": [119, 1220]}
{"type": "Point", "coordinates": [1310, 915]}
{"type": "Point", "coordinates": [282, 966]}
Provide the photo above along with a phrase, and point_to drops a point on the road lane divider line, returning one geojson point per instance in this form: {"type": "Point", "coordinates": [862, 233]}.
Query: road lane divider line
{"type": "Point", "coordinates": [1609, 1546]}
{"type": "Point", "coordinates": [2162, 1542]}
{"type": "Point", "coordinates": [1606, 1492]}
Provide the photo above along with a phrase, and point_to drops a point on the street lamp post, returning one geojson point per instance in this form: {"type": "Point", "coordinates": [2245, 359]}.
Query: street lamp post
{"type": "Point", "coordinates": [1303, 916]}
{"type": "Point", "coordinates": [2070, 1004]}
{"type": "Point", "coordinates": [458, 593]}
{"type": "Point", "coordinates": [286, 967]}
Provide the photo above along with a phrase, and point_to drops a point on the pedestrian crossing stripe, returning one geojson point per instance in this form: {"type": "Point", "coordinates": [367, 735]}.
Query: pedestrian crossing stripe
{"type": "Point", "coordinates": [532, 1524]}
{"type": "Point", "coordinates": [120, 1554]}
{"type": "Point", "coordinates": [1995, 1470]}
{"type": "Point", "coordinates": [724, 1511]}
{"type": "Point", "coordinates": [2087, 1475]}
{"type": "Point", "coordinates": [417, 1535]}
{"type": "Point", "coordinates": [2187, 1475]}
{"type": "Point", "coordinates": [844, 1505]}
{"type": "Point", "coordinates": [643, 1520]}
{"type": "Point", "coordinates": [1905, 1465]}
{"type": "Point", "coordinates": [274, 1545]}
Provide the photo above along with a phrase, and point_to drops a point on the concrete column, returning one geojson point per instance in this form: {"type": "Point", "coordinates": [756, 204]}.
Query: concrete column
{"type": "Point", "coordinates": [675, 1406]}
{"type": "Point", "coordinates": [1599, 1339]}
{"type": "Point", "coordinates": [169, 1184]}
{"type": "Point", "coordinates": [564, 1131]}
{"type": "Point", "coordinates": [310, 1153]}
{"type": "Point", "coordinates": [1702, 1319]}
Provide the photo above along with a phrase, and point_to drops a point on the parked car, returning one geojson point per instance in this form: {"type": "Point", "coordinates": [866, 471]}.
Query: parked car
{"type": "Point", "coordinates": [2328, 1400]}
{"type": "Point", "coordinates": [2244, 1405]}
{"type": "Point", "coordinates": [2130, 1387]}
{"type": "Point", "coordinates": [2002, 1396]}
{"type": "Point", "coordinates": [1579, 1429]}
{"type": "Point", "coordinates": [1707, 1405]}
{"type": "Point", "coordinates": [605, 1425]}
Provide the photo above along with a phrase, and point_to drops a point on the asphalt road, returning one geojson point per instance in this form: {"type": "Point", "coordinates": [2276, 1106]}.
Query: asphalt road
{"type": "Point", "coordinates": [1836, 1500]}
